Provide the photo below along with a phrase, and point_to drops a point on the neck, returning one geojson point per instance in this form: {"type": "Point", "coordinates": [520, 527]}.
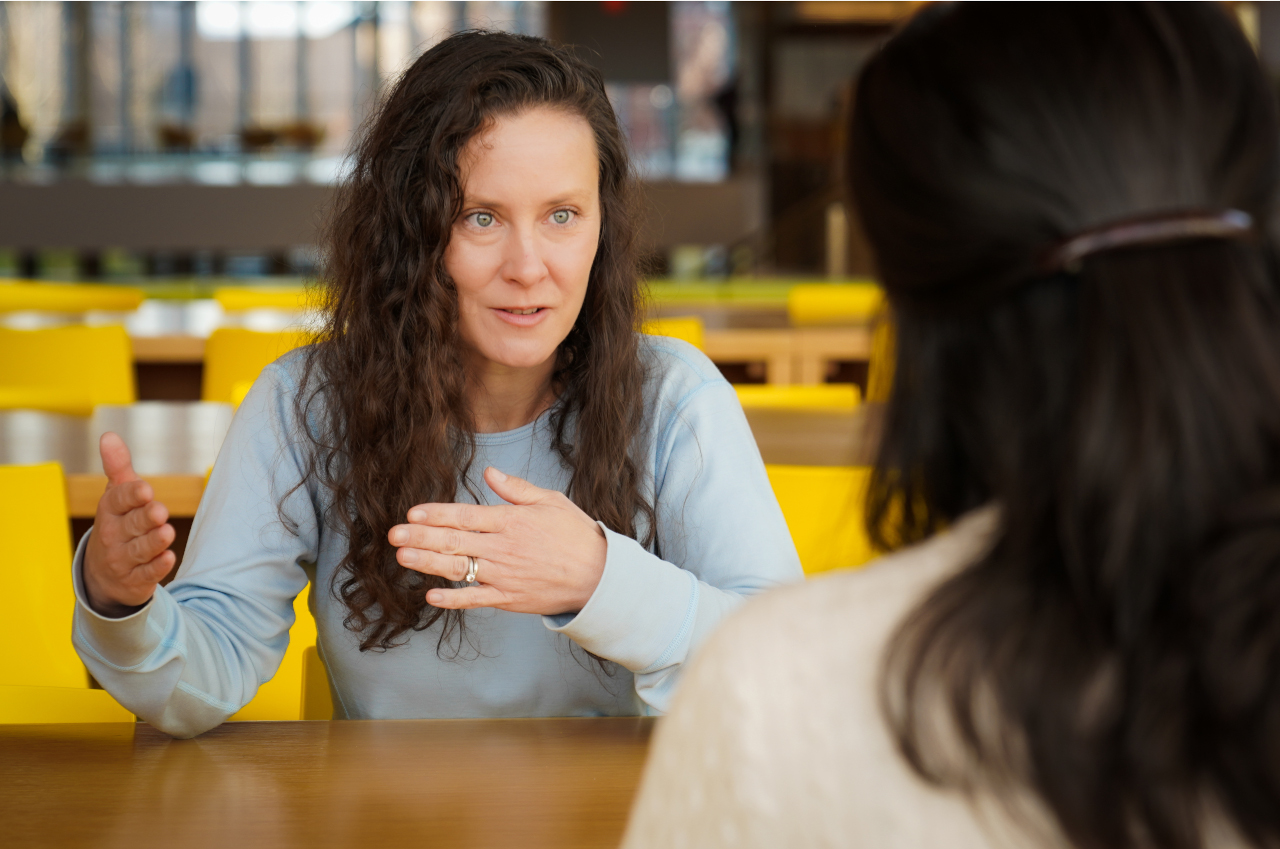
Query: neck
{"type": "Point", "coordinates": [504, 398]}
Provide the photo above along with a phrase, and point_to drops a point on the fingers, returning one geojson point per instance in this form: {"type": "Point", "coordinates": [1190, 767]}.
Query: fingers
{"type": "Point", "coordinates": [120, 499]}
{"type": "Point", "coordinates": [466, 517]}
{"type": "Point", "coordinates": [515, 490]}
{"type": "Point", "coordinates": [468, 598]}
{"type": "Point", "coordinates": [440, 540]}
{"type": "Point", "coordinates": [159, 566]}
{"type": "Point", "coordinates": [144, 519]}
{"type": "Point", "coordinates": [116, 460]}
{"type": "Point", "coordinates": [149, 546]}
{"type": "Point", "coordinates": [451, 567]}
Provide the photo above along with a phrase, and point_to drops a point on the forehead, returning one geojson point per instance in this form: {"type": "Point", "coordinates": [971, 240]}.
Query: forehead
{"type": "Point", "coordinates": [538, 151]}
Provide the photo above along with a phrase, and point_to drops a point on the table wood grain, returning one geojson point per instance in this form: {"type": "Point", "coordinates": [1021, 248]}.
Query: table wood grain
{"type": "Point", "coordinates": [561, 783]}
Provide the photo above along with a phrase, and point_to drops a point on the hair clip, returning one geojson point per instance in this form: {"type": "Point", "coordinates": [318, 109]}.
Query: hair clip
{"type": "Point", "coordinates": [1152, 230]}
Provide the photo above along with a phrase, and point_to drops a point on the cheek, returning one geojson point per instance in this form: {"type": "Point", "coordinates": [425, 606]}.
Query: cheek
{"type": "Point", "coordinates": [573, 264]}
{"type": "Point", "coordinates": [467, 268]}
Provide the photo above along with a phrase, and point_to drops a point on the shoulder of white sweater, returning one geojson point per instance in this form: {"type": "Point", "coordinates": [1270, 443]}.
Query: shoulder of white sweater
{"type": "Point", "coordinates": [852, 606]}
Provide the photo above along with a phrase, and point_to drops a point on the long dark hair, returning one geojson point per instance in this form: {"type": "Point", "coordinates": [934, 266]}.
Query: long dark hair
{"type": "Point", "coordinates": [386, 382]}
{"type": "Point", "coordinates": [1117, 651]}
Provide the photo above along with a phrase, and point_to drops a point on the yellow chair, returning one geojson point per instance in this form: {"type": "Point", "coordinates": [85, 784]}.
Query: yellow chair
{"type": "Point", "coordinates": [66, 369]}
{"type": "Point", "coordinates": [282, 696]}
{"type": "Point", "coordinates": [317, 701]}
{"type": "Point", "coordinates": [238, 298]}
{"type": "Point", "coordinates": [688, 329]}
{"type": "Point", "coordinates": [41, 676]}
{"type": "Point", "coordinates": [823, 506]}
{"type": "Point", "coordinates": [233, 355]}
{"type": "Point", "coordinates": [834, 397]}
{"type": "Point", "coordinates": [23, 295]}
{"type": "Point", "coordinates": [23, 705]}
{"type": "Point", "coordinates": [834, 303]}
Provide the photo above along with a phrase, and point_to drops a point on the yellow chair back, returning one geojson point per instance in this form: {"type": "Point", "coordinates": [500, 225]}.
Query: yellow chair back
{"type": "Point", "coordinates": [233, 355]}
{"type": "Point", "coordinates": [66, 369]}
{"type": "Point", "coordinates": [282, 696]}
{"type": "Point", "coordinates": [22, 295]}
{"type": "Point", "coordinates": [35, 559]}
{"type": "Point", "coordinates": [823, 507]}
{"type": "Point", "coordinates": [23, 705]}
{"type": "Point", "coordinates": [317, 700]}
{"type": "Point", "coordinates": [835, 397]}
{"type": "Point", "coordinates": [238, 298]}
{"type": "Point", "coordinates": [687, 328]}
{"type": "Point", "coordinates": [834, 303]}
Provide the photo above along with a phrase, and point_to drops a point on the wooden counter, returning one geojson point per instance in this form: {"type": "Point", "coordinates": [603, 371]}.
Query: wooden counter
{"type": "Point", "coordinates": [528, 783]}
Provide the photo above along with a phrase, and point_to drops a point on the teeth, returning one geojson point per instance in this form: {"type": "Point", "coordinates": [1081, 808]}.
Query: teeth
{"type": "Point", "coordinates": [529, 311]}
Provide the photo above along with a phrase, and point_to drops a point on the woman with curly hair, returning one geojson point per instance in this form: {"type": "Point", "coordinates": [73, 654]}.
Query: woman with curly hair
{"type": "Point", "coordinates": [509, 501]}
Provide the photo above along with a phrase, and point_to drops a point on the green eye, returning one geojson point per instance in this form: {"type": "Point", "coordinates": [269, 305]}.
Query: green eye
{"type": "Point", "coordinates": [484, 219]}
{"type": "Point", "coordinates": [561, 216]}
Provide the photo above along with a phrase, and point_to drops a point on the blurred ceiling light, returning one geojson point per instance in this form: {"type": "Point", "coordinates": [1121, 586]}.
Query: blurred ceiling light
{"type": "Point", "coordinates": [660, 97]}
{"type": "Point", "coordinates": [218, 20]}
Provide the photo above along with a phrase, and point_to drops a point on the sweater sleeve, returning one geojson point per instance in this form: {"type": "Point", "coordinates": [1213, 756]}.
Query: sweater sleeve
{"type": "Point", "coordinates": [200, 648]}
{"type": "Point", "coordinates": [721, 537]}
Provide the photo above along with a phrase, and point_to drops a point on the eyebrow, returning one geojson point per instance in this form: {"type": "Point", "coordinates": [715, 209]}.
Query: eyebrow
{"type": "Point", "coordinates": [569, 197]}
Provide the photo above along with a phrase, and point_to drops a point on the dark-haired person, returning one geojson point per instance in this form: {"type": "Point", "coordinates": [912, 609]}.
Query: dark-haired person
{"type": "Point", "coordinates": [1072, 209]}
{"type": "Point", "coordinates": [510, 503]}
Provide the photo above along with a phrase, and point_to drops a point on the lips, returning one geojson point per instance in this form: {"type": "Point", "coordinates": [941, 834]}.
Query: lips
{"type": "Point", "coordinates": [521, 316]}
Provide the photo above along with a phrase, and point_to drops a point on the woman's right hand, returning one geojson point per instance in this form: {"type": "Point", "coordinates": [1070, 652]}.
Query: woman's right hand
{"type": "Point", "coordinates": [128, 551]}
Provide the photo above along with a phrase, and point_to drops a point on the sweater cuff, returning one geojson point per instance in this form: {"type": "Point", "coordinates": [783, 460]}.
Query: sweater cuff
{"type": "Point", "coordinates": [124, 642]}
{"type": "Point", "coordinates": [641, 611]}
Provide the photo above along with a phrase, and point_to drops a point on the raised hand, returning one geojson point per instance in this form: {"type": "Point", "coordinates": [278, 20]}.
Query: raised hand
{"type": "Point", "coordinates": [128, 550]}
{"type": "Point", "coordinates": [541, 554]}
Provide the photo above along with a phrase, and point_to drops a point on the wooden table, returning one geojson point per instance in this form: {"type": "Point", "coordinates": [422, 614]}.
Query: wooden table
{"type": "Point", "coordinates": [528, 783]}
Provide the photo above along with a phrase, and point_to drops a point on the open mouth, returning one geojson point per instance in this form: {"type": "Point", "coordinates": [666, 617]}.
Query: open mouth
{"type": "Point", "coordinates": [529, 311]}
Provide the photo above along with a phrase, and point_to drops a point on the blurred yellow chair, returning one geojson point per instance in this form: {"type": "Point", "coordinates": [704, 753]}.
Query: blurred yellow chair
{"type": "Point", "coordinates": [282, 696]}
{"type": "Point", "coordinates": [66, 369]}
{"type": "Point", "coordinates": [23, 295]}
{"type": "Point", "coordinates": [19, 704]}
{"type": "Point", "coordinates": [41, 677]}
{"type": "Point", "coordinates": [688, 329]}
{"type": "Point", "coordinates": [834, 303]}
{"type": "Point", "coordinates": [233, 355]}
{"type": "Point", "coordinates": [823, 506]}
{"type": "Point", "coordinates": [317, 700]}
{"type": "Point", "coordinates": [238, 298]}
{"type": "Point", "coordinates": [835, 397]}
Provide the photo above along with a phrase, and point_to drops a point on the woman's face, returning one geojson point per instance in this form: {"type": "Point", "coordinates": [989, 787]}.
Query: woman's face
{"type": "Point", "coordinates": [521, 252]}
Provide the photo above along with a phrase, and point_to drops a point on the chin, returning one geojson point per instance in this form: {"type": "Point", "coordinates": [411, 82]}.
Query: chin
{"type": "Point", "coordinates": [521, 357]}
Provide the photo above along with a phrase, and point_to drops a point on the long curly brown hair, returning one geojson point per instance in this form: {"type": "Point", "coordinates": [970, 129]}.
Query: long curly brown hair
{"type": "Point", "coordinates": [386, 390]}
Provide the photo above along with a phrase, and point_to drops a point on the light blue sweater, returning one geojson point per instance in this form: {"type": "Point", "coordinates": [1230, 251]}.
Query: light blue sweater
{"type": "Point", "coordinates": [199, 650]}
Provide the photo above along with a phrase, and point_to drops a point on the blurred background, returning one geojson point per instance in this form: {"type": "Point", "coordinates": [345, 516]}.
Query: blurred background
{"type": "Point", "coordinates": [201, 139]}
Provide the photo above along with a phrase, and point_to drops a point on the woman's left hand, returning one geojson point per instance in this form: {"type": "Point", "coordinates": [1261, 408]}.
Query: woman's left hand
{"type": "Point", "coordinates": [541, 554]}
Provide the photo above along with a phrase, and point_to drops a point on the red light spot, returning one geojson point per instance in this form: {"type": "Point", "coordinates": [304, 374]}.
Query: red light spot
{"type": "Point", "coordinates": [614, 7]}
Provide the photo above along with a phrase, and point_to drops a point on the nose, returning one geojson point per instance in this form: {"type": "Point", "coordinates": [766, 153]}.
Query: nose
{"type": "Point", "coordinates": [522, 263]}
